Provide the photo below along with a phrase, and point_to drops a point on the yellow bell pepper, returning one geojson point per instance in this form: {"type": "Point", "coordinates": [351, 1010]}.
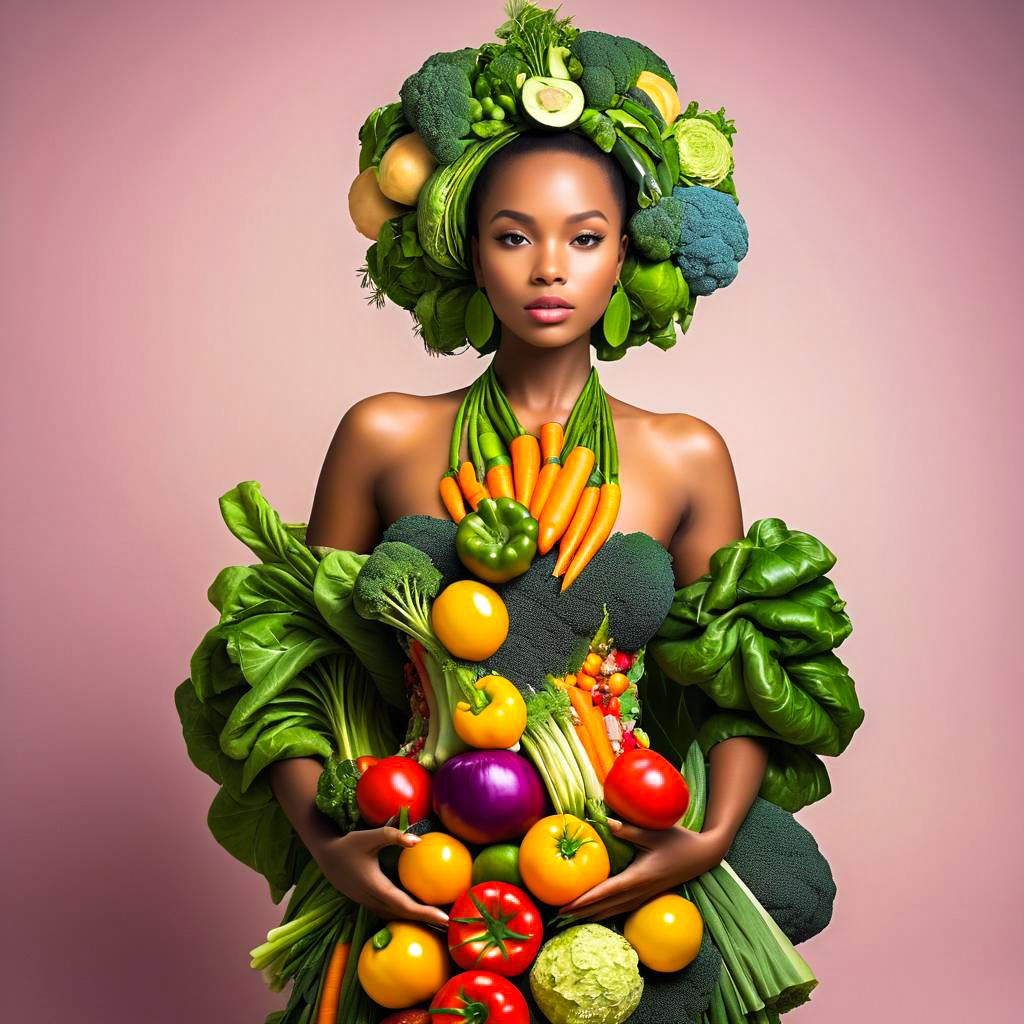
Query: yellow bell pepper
{"type": "Point", "coordinates": [496, 718]}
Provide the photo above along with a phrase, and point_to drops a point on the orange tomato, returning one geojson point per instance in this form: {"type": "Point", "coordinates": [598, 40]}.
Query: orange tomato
{"type": "Point", "coordinates": [437, 870]}
{"type": "Point", "coordinates": [561, 857]}
{"type": "Point", "coordinates": [618, 683]}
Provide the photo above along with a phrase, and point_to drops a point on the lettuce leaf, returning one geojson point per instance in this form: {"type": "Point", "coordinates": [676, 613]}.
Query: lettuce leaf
{"type": "Point", "coordinates": [751, 642]}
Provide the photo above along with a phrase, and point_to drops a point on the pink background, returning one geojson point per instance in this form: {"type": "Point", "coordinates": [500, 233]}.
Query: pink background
{"type": "Point", "coordinates": [181, 311]}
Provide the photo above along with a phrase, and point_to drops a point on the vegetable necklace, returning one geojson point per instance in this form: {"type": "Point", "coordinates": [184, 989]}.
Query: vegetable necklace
{"type": "Point", "coordinates": [568, 479]}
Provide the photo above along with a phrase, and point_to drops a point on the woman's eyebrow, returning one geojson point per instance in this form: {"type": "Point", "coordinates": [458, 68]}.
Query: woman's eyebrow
{"type": "Point", "coordinates": [527, 219]}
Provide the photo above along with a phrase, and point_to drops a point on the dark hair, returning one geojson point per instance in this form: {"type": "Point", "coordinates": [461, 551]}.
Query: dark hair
{"type": "Point", "coordinates": [545, 142]}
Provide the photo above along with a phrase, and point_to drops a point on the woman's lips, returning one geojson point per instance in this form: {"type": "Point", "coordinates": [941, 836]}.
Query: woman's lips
{"type": "Point", "coordinates": [549, 314]}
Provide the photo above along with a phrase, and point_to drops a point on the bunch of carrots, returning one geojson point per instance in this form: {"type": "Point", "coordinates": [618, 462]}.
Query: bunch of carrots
{"type": "Point", "coordinates": [569, 480]}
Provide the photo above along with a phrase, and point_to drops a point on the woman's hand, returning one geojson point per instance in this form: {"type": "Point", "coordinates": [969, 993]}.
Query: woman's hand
{"type": "Point", "coordinates": [350, 864]}
{"type": "Point", "coordinates": [665, 858]}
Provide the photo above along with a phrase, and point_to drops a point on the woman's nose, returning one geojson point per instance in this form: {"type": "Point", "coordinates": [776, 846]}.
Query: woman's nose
{"type": "Point", "coordinates": [550, 263]}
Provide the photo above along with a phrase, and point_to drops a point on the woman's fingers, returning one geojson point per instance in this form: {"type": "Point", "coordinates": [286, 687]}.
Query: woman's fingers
{"type": "Point", "coordinates": [645, 838]}
{"type": "Point", "coordinates": [400, 905]}
{"type": "Point", "coordinates": [615, 886]}
{"type": "Point", "coordinates": [613, 906]}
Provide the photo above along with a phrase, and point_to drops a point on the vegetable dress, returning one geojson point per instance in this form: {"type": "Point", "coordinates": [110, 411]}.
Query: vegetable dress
{"type": "Point", "coordinates": [505, 680]}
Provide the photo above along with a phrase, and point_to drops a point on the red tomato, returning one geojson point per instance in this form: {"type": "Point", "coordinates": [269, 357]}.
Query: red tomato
{"type": "Point", "coordinates": [409, 1017]}
{"type": "Point", "coordinates": [481, 998]}
{"type": "Point", "coordinates": [644, 788]}
{"type": "Point", "coordinates": [391, 784]}
{"type": "Point", "coordinates": [496, 926]}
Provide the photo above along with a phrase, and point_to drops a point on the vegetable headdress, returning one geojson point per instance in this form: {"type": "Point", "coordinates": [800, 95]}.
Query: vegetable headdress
{"type": "Point", "coordinates": [420, 155]}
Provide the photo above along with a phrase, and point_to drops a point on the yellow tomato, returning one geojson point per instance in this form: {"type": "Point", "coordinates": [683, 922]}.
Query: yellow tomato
{"type": "Point", "coordinates": [666, 933]}
{"type": "Point", "coordinates": [470, 619]}
{"type": "Point", "coordinates": [436, 870]}
{"type": "Point", "coordinates": [403, 964]}
{"type": "Point", "coordinates": [562, 857]}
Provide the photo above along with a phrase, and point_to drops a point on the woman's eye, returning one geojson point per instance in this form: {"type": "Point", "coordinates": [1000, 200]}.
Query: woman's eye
{"type": "Point", "coordinates": [592, 237]}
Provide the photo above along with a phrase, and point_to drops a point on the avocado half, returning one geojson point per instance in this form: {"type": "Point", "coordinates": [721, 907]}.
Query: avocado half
{"type": "Point", "coordinates": [552, 102]}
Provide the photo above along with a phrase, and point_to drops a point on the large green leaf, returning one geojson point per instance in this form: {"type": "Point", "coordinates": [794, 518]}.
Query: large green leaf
{"type": "Point", "coordinates": [755, 637]}
{"type": "Point", "coordinates": [252, 520]}
{"type": "Point", "coordinates": [374, 643]}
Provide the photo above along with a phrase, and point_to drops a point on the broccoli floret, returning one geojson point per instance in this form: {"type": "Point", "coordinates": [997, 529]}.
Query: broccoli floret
{"type": "Point", "coordinates": [612, 64]}
{"type": "Point", "coordinates": [437, 102]}
{"type": "Point", "coordinates": [644, 99]}
{"type": "Point", "coordinates": [655, 230]}
{"type": "Point", "coordinates": [682, 996]}
{"type": "Point", "coordinates": [506, 67]}
{"type": "Point", "coordinates": [713, 238]}
{"type": "Point", "coordinates": [434, 537]}
{"type": "Point", "coordinates": [781, 864]}
{"type": "Point", "coordinates": [395, 585]}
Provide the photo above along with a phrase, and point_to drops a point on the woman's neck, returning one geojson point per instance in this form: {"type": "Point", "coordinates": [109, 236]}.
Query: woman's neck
{"type": "Point", "coordinates": [542, 384]}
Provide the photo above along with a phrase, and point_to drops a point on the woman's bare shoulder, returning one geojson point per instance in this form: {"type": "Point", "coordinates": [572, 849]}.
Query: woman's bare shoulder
{"type": "Point", "coordinates": [675, 436]}
{"type": "Point", "coordinates": [391, 417]}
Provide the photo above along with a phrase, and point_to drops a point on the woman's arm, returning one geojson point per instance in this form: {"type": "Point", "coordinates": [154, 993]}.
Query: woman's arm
{"type": "Point", "coordinates": [713, 518]}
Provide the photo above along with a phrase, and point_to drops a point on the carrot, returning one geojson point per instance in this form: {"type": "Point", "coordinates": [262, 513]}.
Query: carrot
{"type": "Point", "coordinates": [452, 497]}
{"type": "Point", "coordinates": [472, 489]}
{"type": "Point", "coordinates": [328, 1012]}
{"type": "Point", "coordinates": [596, 744]}
{"type": "Point", "coordinates": [550, 450]}
{"type": "Point", "coordinates": [600, 527]}
{"type": "Point", "coordinates": [576, 529]}
{"type": "Point", "coordinates": [565, 494]}
{"type": "Point", "coordinates": [576, 698]}
{"type": "Point", "coordinates": [499, 481]}
{"type": "Point", "coordinates": [525, 452]}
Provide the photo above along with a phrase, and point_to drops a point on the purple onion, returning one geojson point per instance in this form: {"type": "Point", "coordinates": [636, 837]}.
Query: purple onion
{"type": "Point", "coordinates": [486, 796]}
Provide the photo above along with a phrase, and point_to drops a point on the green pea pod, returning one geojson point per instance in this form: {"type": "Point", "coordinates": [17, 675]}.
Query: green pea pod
{"type": "Point", "coordinates": [643, 115]}
{"type": "Point", "coordinates": [487, 129]}
{"type": "Point", "coordinates": [482, 87]}
{"type": "Point", "coordinates": [498, 541]}
{"type": "Point", "coordinates": [507, 103]}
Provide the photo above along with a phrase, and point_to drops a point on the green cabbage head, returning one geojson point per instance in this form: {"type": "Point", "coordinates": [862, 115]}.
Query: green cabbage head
{"type": "Point", "coordinates": [705, 156]}
{"type": "Point", "coordinates": [587, 973]}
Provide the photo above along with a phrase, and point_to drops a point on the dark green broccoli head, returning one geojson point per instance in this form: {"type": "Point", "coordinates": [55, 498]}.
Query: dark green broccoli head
{"type": "Point", "coordinates": [655, 230]}
{"type": "Point", "coordinates": [437, 102]}
{"type": "Point", "coordinates": [433, 536]}
{"type": "Point", "coordinates": [612, 64]}
{"type": "Point", "coordinates": [680, 997]}
{"type": "Point", "coordinates": [602, 55]}
{"type": "Point", "coordinates": [506, 67]}
{"type": "Point", "coordinates": [392, 574]}
{"type": "Point", "coordinates": [781, 864]}
{"type": "Point", "coordinates": [713, 238]}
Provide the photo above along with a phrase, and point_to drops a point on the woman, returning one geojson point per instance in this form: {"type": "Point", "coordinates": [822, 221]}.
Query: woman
{"type": "Point", "coordinates": [546, 218]}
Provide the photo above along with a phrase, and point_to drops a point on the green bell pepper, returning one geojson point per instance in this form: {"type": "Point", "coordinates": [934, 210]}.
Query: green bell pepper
{"type": "Point", "coordinates": [498, 541]}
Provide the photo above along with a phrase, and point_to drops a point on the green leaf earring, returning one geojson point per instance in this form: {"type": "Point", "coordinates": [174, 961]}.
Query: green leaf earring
{"type": "Point", "coordinates": [617, 316]}
{"type": "Point", "coordinates": [479, 319]}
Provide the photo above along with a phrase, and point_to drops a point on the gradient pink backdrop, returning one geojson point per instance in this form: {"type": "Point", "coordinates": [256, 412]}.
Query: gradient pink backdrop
{"type": "Point", "coordinates": [180, 311]}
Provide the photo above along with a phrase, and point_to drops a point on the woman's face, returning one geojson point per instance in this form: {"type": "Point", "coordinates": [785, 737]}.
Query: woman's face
{"type": "Point", "coordinates": [548, 226]}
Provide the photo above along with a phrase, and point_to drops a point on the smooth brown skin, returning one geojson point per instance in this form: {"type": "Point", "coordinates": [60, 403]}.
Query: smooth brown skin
{"type": "Point", "coordinates": [678, 486]}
